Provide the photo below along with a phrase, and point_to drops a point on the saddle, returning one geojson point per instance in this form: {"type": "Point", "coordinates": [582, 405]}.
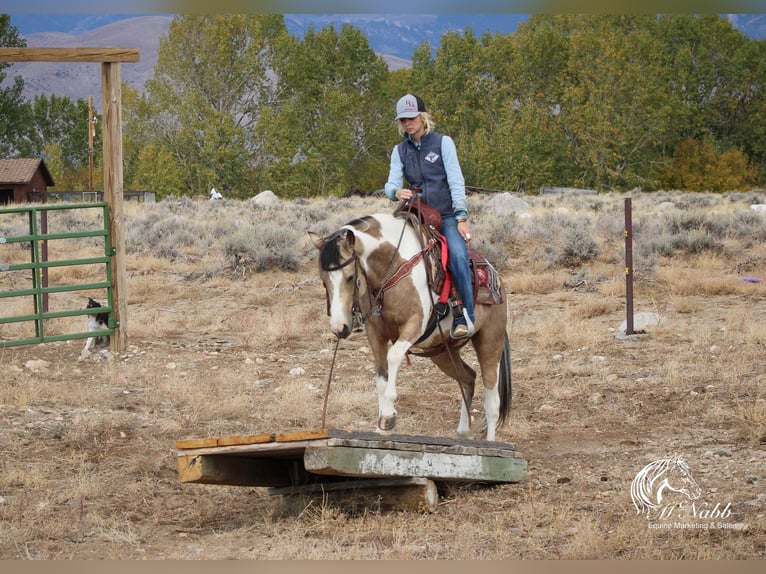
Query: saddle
{"type": "Point", "coordinates": [427, 221]}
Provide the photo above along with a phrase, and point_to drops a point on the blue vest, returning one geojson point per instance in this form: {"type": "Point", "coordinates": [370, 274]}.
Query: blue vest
{"type": "Point", "coordinates": [424, 170]}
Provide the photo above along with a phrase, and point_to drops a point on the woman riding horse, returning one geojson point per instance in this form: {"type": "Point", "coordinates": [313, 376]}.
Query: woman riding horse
{"type": "Point", "coordinates": [428, 160]}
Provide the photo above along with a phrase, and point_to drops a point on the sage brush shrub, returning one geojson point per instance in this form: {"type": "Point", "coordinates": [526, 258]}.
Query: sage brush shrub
{"type": "Point", "coordinates": [578, 247]}
{"type": "Point", "coordinates": [696, 241]}
{"type": "Point", "coordinates": [167, 237]}
{"type": "Point", "coordinates": [259, 249]}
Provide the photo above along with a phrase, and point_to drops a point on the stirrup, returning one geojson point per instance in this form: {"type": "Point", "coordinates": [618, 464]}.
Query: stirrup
{"type": "Point", "coordinates": [462, 330]}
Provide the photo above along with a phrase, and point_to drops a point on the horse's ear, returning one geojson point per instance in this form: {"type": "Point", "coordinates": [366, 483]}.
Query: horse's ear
{"type": "Point", "coordinates": [349, 236]}
{"type": "Point", "coordinates": [316, 240]}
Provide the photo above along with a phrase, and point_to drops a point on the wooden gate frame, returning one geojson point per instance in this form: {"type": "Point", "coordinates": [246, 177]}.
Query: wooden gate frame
{"type": "Point", "coordinates": [111, 132]}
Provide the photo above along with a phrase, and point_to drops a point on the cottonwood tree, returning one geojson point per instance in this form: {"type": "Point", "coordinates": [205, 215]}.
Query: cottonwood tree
{"type": "Point", "coordinates": [210, 84]}
{"type": "Point", "coordinates": [614, 107]}
{"type": "Point", "coordinates": [59, 120]}
{"type": "Point", "coordinates": [325, 127]}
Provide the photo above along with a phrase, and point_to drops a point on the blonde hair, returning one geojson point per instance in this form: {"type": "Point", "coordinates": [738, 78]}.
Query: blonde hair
{"type": "Point", "coordinates": [428, 122]}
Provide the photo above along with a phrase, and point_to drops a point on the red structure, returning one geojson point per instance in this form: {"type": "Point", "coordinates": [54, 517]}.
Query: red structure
{"type": "Point", "coordinates": [24, 180]}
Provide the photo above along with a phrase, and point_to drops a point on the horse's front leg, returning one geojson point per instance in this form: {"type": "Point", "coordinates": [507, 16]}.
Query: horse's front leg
{"type": "Point", "coordinates": [387, 387]}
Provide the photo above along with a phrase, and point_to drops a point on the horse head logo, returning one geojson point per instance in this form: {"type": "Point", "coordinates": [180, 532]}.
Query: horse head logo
{"type": "Point", "coordinates": [653, 485]}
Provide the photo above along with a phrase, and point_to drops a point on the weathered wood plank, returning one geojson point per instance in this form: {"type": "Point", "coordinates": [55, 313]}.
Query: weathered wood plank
{"type": "Point", "coordinates": [421, 439]}
{"type": "Point", "coordinates": [69, 55]}
{"type": "Point", "coordinates": [292, 449]}
{"type": "Point", "coordinates": [351, 461]}
{"type": "Point", "coordinates": [190, 443]}
{"type": "Point", "coordinates": [290, 441]}
{"type": "Point", "coordinates": [301, 435]}
{"type": "Point", "coordinates": [245, 439]}
{"type": "Point", "coordinates": [187, 443]}
{"type": "Point", "coordinates": [236, 471]}
{"type": "Point", "coordinates": [387, 444]}
{"type": "Point", "coordinates": [413, 493]}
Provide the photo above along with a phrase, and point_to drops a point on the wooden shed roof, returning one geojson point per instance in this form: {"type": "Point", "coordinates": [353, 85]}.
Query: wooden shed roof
{"type": "Point", "coordinates": [22, 170]}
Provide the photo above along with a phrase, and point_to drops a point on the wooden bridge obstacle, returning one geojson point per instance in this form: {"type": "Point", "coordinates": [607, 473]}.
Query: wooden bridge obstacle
{"type": "Point", "coordinates": [396, 471]}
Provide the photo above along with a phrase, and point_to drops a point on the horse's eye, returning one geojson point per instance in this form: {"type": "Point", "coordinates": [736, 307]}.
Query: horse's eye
{"type": "Point", "coordinates": [350, 279]}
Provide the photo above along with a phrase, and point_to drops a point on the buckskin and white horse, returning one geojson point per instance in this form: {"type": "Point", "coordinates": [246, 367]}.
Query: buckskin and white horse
{"type": "Point", "coordinates": [380, 267]}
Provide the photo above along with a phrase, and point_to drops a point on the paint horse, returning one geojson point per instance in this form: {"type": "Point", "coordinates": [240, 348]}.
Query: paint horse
{"type": "Point", "coordinates": [377, 267]}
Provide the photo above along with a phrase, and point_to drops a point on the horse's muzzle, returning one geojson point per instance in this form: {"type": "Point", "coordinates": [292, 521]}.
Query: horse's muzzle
{"type": "Point", "coordinates": [344, 332]}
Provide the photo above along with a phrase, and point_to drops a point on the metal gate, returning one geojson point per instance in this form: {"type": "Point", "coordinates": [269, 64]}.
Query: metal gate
{"type": "Point", "coordinates": [37, 238]}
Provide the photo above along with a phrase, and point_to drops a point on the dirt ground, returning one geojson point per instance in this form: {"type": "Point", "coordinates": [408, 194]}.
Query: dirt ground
{"type": "Point", "coordinates": [88, 465]}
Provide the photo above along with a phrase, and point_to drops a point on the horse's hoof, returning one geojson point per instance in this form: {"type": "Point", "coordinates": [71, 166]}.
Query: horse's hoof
{"type": "Point", "coordinates": [386, 424]}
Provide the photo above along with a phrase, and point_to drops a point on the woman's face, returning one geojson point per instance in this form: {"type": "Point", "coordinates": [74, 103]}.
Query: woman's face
{"type": "Point", "coordinates": [413, 126]}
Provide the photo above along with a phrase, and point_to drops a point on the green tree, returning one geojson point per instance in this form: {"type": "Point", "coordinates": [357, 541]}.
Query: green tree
{"type": "Point", "coordinates": [531, 121]}
{"type": "Point", "coordinates": [148, 163]}
{"type": "Point", "coordinates": [322, 134]}
{"type": "Point", "coordinates": [59, 120]}
{"type": "Point", "coordinates": [614, 108]}
{"type": "Point", "coordinates": [210, 85]}
{"type": "Point", "coordinates": [12, 120]}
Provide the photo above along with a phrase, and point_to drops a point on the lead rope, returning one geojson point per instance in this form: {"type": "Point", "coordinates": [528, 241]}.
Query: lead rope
{"type": "Point", "coordinates": [329, 378]}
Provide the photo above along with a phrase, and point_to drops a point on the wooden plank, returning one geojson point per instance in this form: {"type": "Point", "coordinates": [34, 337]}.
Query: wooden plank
{"type": "Point", "coordinates": [421, 440]}
{"type": "Point", "coordinates": [258, 450]}
{"type": "Point", "coordinates": [237, 471]}
{"type": "Point", "coordinates": [246, 439]}
{"type": "Point", "coordinates": [301, 435]}
{"type": "Point", "coordinates": [190, 443]}
{"type": "Point", "coordinates": [424, 447]}
{"type": "Point", "coordinates": [351, 461]}
{"type": "Point", "coordinates": [415, 493]}
{"type": "Point", "coordinates": [69, 55]}
{"type": "Point", "coordinates": [196, 443]}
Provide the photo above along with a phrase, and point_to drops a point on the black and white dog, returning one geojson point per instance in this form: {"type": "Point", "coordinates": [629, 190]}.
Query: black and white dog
{"type": "Point", "coordinates": [96, 322]}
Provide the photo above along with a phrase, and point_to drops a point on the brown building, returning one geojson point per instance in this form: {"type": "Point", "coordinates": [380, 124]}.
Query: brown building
{"type": "Point", "coordinates": [24, 180]}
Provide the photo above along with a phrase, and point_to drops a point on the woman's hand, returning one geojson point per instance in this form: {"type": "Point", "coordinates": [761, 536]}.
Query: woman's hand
{"type": "Point", "coordinates": [465, 230]}
{"type": "Point", "coordinates": [404, 194]}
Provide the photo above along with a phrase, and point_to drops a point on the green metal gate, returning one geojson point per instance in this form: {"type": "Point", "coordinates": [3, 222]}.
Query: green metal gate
{"type": "Point", "coordinates": [37, 237]}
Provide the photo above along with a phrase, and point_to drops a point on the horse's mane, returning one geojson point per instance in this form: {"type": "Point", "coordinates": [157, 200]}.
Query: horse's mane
{"type": "Point", "coordinates": [329, 255]}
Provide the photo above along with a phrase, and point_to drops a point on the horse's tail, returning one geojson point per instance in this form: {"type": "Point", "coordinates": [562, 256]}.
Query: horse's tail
{"type": "Point", "coordinates": [504, 381]}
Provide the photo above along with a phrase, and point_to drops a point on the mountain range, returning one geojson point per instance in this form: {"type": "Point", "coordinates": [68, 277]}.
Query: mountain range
{"type": "Point", "coordinates": [393, 36]}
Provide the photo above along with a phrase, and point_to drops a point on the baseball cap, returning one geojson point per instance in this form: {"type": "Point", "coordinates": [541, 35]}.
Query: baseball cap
{"type": "Point", "coordinates": [409, 106]}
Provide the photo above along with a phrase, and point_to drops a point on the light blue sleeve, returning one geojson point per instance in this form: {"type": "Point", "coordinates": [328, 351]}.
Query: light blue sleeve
{"type": "Point", "coordinates": [395, 175]}
{"type": "Point", "coordinates": [455, 178]}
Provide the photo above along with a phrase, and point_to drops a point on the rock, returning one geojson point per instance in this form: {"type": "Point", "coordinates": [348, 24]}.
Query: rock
{"type": "Point", "coordinates": [266, 199]}
{"type": "Point", "coordinates": [37, 365]}
{"type": "Point", "coordinates": [643, 320]}
{"type": "Point", "coordinates": [298, 371]}
{"type": "Point", "coordinates": [507, 203]}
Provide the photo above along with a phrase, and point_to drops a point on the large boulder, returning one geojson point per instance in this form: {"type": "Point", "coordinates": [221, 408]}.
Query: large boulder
{"type": "Point", "coordinates": [266, 199]}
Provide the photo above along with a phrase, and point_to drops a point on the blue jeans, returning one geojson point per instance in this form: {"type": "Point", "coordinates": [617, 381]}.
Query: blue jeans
{"type": "Point", "coordinates": [459, 265]}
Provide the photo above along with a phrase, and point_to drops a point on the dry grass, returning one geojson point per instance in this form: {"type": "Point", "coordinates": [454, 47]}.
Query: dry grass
{"type": "Point", "coordinates": [88, 464]}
